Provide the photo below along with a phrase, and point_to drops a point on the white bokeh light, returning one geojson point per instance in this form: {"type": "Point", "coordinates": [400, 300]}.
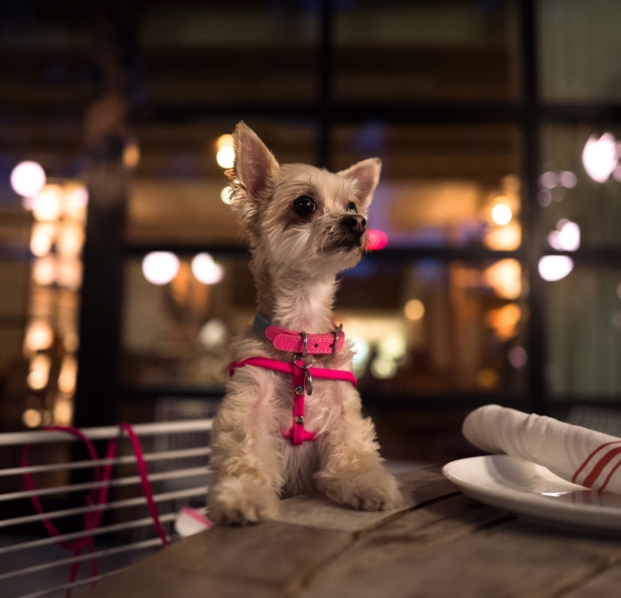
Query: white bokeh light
{"type": "Point", "coordinates": [548, 180]}
{"type": "Point", "coordinates": [555, 267]}
{"type": "Point", "coordinates": [160, 267]}
{"type": "Point", "coordinates": [568, 179]}
{"type": "Point", "coordinates": [225, 157]}
{"type": "Point", "coordinates": [599, 157]}
{"type": "Point", "coordinates": [566, 237]}
{"type": "Point", "coordinates": [501, 214]}
{"type": "Point", "coordinates": [213, 333]}
{"type": "Point", "coordinates": [206, 270]}
{"type": "Point", "coordinates": [225, 195]}
{"type": "Point", "coordinates": [27, 178]}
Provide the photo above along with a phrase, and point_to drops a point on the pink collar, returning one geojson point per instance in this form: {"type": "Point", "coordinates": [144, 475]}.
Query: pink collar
{"type": "Point", "coordinates": [284, 339]}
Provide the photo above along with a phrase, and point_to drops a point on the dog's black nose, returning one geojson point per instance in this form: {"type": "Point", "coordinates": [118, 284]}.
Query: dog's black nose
{"type": "Point", "coordinates": [355, 222]}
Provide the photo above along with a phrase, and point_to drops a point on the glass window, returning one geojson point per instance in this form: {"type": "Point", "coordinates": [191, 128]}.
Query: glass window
{"type": "Point", "coordinates": [236, 51]}
{"type": "Point", "coordinates": [179, 192]}
{"type": "Point", "coordinates": [449, 50]}
{"type": "Point", "coordinates": [580, 188]}
{"type": "Point", "coordinates": [441, 185]}
{"type": "Point", "coordinates": [419, 327]}
{"type": "Point", "coordinates": [583, 309]}
{"type": "Point", "coordinates": [579, 46]}
{"type": "Point", "coordinates": [176, 333]}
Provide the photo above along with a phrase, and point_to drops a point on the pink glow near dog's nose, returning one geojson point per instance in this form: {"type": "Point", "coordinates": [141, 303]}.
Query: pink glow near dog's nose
{"type": "Point", "coordinates": [378, 239]}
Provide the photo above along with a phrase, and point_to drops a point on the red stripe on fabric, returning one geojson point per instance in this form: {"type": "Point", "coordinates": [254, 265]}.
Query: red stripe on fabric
{"type": "Point", "coordinates": [586, 461]}
{"type": "Point", "coordinates": [597, 470]}
{"type": "Point", "coordinates": [603, 486]}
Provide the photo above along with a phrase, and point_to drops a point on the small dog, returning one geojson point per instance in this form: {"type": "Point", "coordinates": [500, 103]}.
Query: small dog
{"type": "Point", "coordinates": [291, 420]}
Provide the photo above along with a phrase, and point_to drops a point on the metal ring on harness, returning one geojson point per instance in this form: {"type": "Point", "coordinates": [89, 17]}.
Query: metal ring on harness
{"type": "Point", "coordinates": [308, 378]}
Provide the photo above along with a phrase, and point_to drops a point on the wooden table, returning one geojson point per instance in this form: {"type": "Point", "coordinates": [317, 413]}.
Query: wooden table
{"type": "Point", "coordinates": [441, 544]}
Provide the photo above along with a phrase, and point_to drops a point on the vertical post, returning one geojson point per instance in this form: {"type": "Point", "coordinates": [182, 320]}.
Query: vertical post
{"type": "Point", "coordinates": [532, 223]}
{"type": "Point", "coordinates": [102, 288]}
{"type": "Point", "coordinates": [326, 63]}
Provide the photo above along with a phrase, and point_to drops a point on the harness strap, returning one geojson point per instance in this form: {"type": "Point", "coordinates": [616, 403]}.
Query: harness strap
{"type": "Point", "coordinates": [297, 433]}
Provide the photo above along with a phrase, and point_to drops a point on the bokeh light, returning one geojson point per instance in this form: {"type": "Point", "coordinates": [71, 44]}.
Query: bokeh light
{"type": "Point", "coordinates": [32, 418]}
{"type": "Point", "coordinates": [225, 195]}
{"type": "Point", "coordinates": [414, 309]}
{"type": "Point", "coordinates": [555, 267]}
{"type": "Point", "coordinates": [206, 270]}
{"type": "Point", "coordinates": [160, 267]}
{"type": "Point", "coordinates": [599, 157]}
{"type": "Point", "coordinates": [501, 214]}
{"type": "Point", "coordinates": [378, 239]}
{"type": "Point", "coordinates": [27, 178]}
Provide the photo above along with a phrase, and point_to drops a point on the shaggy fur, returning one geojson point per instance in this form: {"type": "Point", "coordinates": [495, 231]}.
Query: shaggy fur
{"type": "Point", "coordinates": [294, 261]}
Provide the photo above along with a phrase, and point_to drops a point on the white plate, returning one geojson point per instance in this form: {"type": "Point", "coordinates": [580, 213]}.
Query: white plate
{"type": "Point", "coordinates": [532, 491]}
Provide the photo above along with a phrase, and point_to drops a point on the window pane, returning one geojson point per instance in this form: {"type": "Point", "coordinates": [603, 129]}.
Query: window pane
{"type": "Point", "coordinates": [584, 333]}
{"type": "Point", "coordinates": [580, 185]}
{"type": "Point", "coordinates": [177, 191]}
{"type": "Point", "coordinates": [450, 50]}
{"type": "Point", "coordinates": [234, 51]}
{"type": "Point", "coordinates": [579, 46]}
{"type": "Point", "coordinates": [177, 334]}
{"type": "Point", "coordinates": [441, 185]}
{"type": "Point", "coordinates": [421, 327]}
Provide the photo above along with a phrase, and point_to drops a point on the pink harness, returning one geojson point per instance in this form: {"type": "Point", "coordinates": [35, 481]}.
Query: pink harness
{"type": "Point", "coordinates": [301, 344]}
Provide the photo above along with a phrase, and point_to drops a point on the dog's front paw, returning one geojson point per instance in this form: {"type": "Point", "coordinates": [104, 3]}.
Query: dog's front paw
{"type": "Point", "coordinates": [241, 500]}
{"type": "Point", "coordinates": [371, 490]}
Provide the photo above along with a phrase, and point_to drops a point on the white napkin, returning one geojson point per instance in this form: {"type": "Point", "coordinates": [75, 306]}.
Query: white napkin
{"type": "Point", "coordinates": [576, 454]}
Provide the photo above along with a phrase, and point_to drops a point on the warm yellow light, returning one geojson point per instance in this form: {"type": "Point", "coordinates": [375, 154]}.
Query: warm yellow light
{"type": "Point", "coordinates": [131, 155]}
{"type": "Point", "coordinates": [39, 372]}
{"type": "Point", "coordinates": [69, 273]}
{"type": "Point", "coordinates": [39, 336]}
{"type": "Point", "coordinates": [63, 411]}
{"type": "Point", "coordinates": [414, 310]}
{"type": "Point", "coordinates": [226, 157]}
{"type": "Point", "coordinates": [75, 203]}
{"type": "Point", "coordinates": [505, 277]}
{"type": "Point", "coordinates": [68, 373]}
{"type": "Point", "coordinates": [487, 378]}
{"type": "Point", "coordinates": [70, 240]}
{"type": "Point", "coordinates": [505, 238]}
{"type": "Point", "coordinates": [48, 203]}
{"type": "Point", "coordinates": [224, 141]}
{"type": "Point", "coordinates": [42, 238]}
{"type": "Point", "coordinates": [501, 214]}
{"type": "Point", "coordinates": [32, 418]}
{"type": "Point", "coordinates": [504, 320]}
{"type": "Point", "coordinates": [44, 270]}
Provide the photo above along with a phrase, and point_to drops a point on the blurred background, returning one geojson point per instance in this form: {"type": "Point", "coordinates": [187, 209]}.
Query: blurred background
{"type": "Point", "coordinates": [495, 274]}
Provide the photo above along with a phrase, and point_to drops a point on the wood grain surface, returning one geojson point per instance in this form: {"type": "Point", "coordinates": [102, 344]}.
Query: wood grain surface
{"type": "Point", "coordinates": [440, 544]}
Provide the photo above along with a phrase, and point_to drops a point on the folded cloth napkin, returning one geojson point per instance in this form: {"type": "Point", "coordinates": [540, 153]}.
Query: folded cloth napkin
{"type": "Point", "coordinates": [576, 454]}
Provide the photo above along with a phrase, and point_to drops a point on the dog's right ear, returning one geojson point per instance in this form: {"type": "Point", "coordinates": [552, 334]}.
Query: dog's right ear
{"type": "Point", "coordinates": [253, 168]}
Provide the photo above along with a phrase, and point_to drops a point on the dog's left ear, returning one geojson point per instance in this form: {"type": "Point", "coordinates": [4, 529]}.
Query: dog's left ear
{"type": "Point", "coordinates": [366, 175]}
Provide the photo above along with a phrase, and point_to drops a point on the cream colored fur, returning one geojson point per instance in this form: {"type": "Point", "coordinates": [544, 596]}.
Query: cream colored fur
{"type": "Point", "coordinates": [295, 262]}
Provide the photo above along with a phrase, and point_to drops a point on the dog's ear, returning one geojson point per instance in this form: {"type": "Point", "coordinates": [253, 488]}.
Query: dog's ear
{"type": "Point", "coordinates": [365, 175]}
{"type": "Point", "coordinates": [254, 164]}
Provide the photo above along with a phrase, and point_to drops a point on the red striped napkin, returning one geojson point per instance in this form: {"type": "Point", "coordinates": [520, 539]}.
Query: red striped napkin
{"type": "Point", "coordinates": [576, 454]}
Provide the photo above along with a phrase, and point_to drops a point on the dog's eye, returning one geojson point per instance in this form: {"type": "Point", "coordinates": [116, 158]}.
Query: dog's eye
{"type": "Point", "coordinates": [351, 207]}
{"type": "Point", "coordinates": [304, 206]}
